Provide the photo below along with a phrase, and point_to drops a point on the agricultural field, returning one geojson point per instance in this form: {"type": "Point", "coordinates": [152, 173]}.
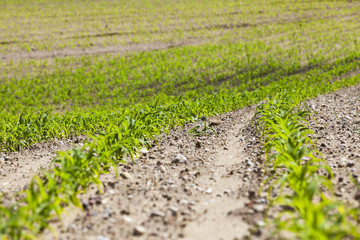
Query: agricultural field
{"type": "Point", "coordinates": [179, 119]}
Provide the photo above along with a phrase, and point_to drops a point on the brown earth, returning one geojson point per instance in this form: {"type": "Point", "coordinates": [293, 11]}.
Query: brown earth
{"type": "Point", "coordinates": [210, 190]}
{"type": "Point", "coordinates": [96, 50]}
{"type": "Point", "coordinates": [178, 196]}
{"type": "Point", "coordinates": [17, 168]}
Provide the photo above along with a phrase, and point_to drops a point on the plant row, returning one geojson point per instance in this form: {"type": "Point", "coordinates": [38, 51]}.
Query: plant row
{"type": "Point", "coordinates": [22, 131]}
{"type": "Point", "coordinates": [300, 186]}
{"type": "Point", "coordinates": [49, 25]}
{"type": "Point", "coordinates": [73, 171]}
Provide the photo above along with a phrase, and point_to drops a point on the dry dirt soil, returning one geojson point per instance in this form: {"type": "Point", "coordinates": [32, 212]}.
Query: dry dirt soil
{"type": "Point", "coordinates": [203, 187]}
{"type": "Point", "coordinates": [98, 50]}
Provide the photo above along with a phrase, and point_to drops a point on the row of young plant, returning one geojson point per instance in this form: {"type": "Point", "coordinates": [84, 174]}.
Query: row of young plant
{"type": "Point", "coordinates": [22, 131]}
{"type": "Point", "coordinates": [72, 172]}
{"type": "Point", "coordinates": [300, 185]}
{"type": "Point", "coordinates": [112, 81]}
{"type": "Point", "coordinates": [58, 25]}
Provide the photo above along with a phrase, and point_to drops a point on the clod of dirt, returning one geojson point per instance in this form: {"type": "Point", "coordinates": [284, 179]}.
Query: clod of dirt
{"type": "Point", "coordinates": [252, 194]}
{"type": "Point", "coordinates": [357, 196]}
{"type": "Point", "coordinates": [215, 123]}
{"type": "Point", "coordinates": [350, 163]}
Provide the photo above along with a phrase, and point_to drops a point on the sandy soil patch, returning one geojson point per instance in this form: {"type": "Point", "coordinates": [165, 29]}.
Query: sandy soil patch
{"type": "Point", "coordinates": [18, 168]}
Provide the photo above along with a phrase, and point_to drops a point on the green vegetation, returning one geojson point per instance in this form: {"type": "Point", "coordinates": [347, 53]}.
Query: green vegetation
{"type": "Point", "coordinates": [307, 211]}
{"type": "Point", "coordinates": [134, 129]}
{"type": "Point", "coordinates": [28, 25]}
{"type": "Point", "coordinates": [61, 97]}
{"type": "Point", "coordinates": [242, 53]}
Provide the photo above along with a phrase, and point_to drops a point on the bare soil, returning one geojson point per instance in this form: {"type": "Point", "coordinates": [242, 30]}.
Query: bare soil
{"type": "Point", "coordinates": [95, 50]}
{"type": "Point", "coordinates": [17, 168]}
{"type": "Point", "coordinates": [210, 190]}
{"type": "Point", "coordinates": [177, 196]}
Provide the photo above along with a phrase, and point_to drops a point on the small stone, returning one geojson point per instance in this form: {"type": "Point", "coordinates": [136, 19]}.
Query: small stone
{"type": "Point", "coordinates": [341, 164]}
{"type": "Point", "coordinates": [208, 191]}
{"type": "Point", "coordinates": [179, 159]}
{"type": "Point", "coordinates": [198, 144]}
{"type": "Point", "coordinates": [258, 208]}
{"type": "Point", "coordinates": [125, 175]}
{"type": "Point", "coordinates": [139, 231]}
{"type": "Point", "coordinates": [173, 210]}
{"type": "Point", "coordinates": [262, 200]}
{"type": "Point", "coordinates": [227, 191]}
{"type": "Point", "coordinates": [107, 213]}
{"type": "Point", "coordinates": [261, 223]}
{"type": "Point", "coordinates": [350, 163]}
{"type": "Point", "coordinates": [127, 219]}
{"type": "Point", "coordinates": [250, 164]}
{"type": "Point", "coordinates": [157, 213]}
{"type": "Point", "coordinates": [102, 238]}
{"type": "Point", "coordinates": [251, 211]}
{"type": "Point", "coordinates": [162, 169]}
{"type": "Point", "coordinates": [144, 151]}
